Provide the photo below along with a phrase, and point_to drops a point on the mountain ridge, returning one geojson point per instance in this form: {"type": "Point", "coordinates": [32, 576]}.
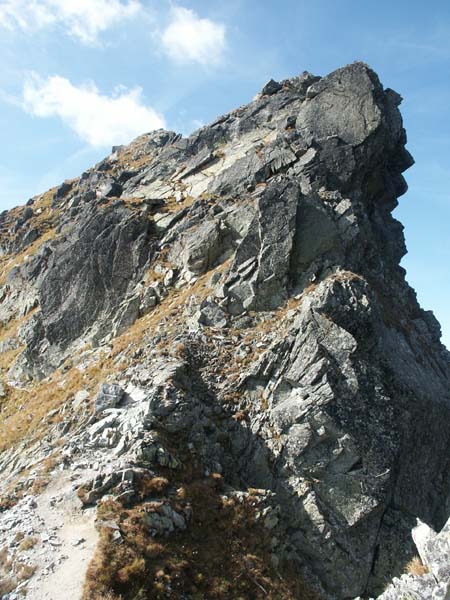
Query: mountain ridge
{"type": "Point", "coordinates": [227, 313]}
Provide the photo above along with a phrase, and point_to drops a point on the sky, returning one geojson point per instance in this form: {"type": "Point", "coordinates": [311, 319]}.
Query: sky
{"type": "Point", "coordinates": [79, 76]}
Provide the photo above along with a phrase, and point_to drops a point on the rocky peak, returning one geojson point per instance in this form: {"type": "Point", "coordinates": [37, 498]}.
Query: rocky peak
{"type": "Point", "coordinates": [232, 305]}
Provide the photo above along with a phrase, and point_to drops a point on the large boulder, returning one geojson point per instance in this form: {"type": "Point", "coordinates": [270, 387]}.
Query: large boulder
{"type": "Point", "coordinates": [109, 395]}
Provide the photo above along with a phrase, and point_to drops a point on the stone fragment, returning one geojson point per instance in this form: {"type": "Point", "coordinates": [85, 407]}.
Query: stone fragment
{"type": "Point", "coordinates": [108, 396]}
{"type": "Point", "coordinates": [212, 315]}
{"type": "Point", "coordinates": [434, 549]}
{"type": "Point", "coordinates": [109, 188]}
{"type": "Point", "coordinates": [270, 88]}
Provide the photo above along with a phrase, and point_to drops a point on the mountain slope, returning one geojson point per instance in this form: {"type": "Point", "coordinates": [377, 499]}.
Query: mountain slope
{"type": "Point", "coordinates": [214, 340]}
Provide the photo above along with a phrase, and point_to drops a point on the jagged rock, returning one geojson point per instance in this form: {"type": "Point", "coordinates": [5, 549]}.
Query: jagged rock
{"type": "Point", "coordinates": [212, 315]}
{"type": "Point", "coordinates": [316, 376]}
{"type": "Point", "coordinates": [271, 87]}
{"type": "Point", "coordinates": [171, 402]}
{"type": "Point", "coordinates": [199, 248]}
{"type": "Point", "coordinates": [80, 398]}
{"type": "Point", "coordinates": [109, 396]}
{"type": "Point", "coordinates": [148, 301]}
{"type": "Point", "coordinates": [109, 189]}
{"type": "Point", "coordinates": [434, 550]}
{"type": "Point", "coordinates": [26, 215]}
{"type": "Point", "coordinates": [126, 314]}
{"type": "Point", "coordinates": [259, 275]}
{"type": "Point", "coordinates": [162, 519]}
{"type": "Point", "coordinates": [9, 344]}
{"type": "Point", "coordinates": [62, 191]}
{"type": "Point", "coordinates": [101, 256]}
{"type": "Point", "coordinates": [31, 236]}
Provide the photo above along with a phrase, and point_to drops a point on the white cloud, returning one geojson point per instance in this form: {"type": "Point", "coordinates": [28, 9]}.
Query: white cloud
{"type": "Point", "coordinates": [83, 19]}
{"type": "Point", "coordinates": [189, 38]}
{"type": "Point", "coordinates": [99, 120]}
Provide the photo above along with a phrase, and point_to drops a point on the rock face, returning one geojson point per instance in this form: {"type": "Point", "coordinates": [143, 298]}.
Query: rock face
{"type": "Point", "coordinates": [241, 292]}
{"type": "Point", "coordinates": [434, 579]}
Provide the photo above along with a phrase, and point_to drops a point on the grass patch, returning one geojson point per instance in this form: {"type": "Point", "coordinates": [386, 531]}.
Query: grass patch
{"type": "Point", "coordinates": [223, 553]}
{"type": "Point", "coordinates": [8, 262]}
{"type": "Point", "coordinates": [25, 411]}
{"type": "Point", "coordinates": [12, 572]}
{"type": "Point", "coordinates": [416, 567]}
{"type": "Point", "coordinates": [28, 543]}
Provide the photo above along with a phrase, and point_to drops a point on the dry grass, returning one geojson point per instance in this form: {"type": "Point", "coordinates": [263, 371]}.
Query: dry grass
{"type": "Point", "coordinates": [416, 567]}
{"type": "Point", "coordinates": [344, 276]}
{"type": "Point", "coordinates": [39, 484]}
{"type": "Point", "coordinates": [10, 329]}
{"type": "Point", "coordinates": [127, 161]}
{"type": "Point", "coordinates": [195, 562]}
{"type": "Point", "coordinates": [49, 463]}
{"type": "Point", "coordinates": [263, 402]}
{"type": "Point", "coordinates": [172, 205]}
{"type": "Point", "coordinates": [28, 543]}
{"type": "Point", "coordinates": [24, 411]}
{"type": "Point", "coordinates": [240, 415]}
{"type": "Point", "coordinates": [47, 217]}
{"type": "Point", "coordinates": [7, 359]}
{"type": "Point", "coordinates": [134, 156]}
{"type": "Point", "coordinates": [153, 486]}
{"type": "Point", "coordinates": [25, 571]}
{"type": "Point", "coordinates": [12, 572]}
{"type": "Point", "coordinates": [8, 501]}
{"type": "Point", "coordinates": [19, 536]}
{"type": "Point", "coordinates": [44, 219]}
{"type": "Point", "coordinates": [8, 262]}
{"type": "Point", "coordinates": [309, 289]}
{"type": "Point", "coordinates": [7, 585]}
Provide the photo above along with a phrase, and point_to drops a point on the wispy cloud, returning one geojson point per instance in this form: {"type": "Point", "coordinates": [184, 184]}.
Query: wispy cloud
{"type": "Point", "coordinates": [187, 38]}
{"type": "Point", "coordinates": [97, 119]}
{"type": "Point", "coordinates": [82, 19]}
{"type": "Point", "coordinates": [191, 39]}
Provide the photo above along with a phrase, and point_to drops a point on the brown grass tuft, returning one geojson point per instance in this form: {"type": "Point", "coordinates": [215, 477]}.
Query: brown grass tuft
{"type": "Point", "coordinates": [153, 485]}
{"type": "Point", "coordinates": [195, 562]}
{"type": "Point", "coordinates": [416, 567]}
{"type": "Point", "coordinates": [28, 543]}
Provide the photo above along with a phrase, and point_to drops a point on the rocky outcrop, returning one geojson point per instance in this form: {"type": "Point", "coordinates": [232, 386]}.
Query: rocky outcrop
{"type": "Point", "coordinates": [237, 300]}
{"type": "Point", "coordinates": [433, 578]}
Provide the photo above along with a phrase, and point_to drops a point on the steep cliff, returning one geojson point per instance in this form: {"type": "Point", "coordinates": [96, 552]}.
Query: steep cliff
{"type": "Point", "coordinates": [211, 340]}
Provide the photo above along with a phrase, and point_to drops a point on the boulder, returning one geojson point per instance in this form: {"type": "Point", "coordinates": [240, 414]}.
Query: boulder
{"type": "Point", "coordinates": [109, 395]}
{"type": "Point", "coordinates": [109, 189]}
{"type": "Point", "coordinates": [198, 248]}
{"type": "Point", "coordinates": [271, 87]}
{"type": "Point", "coordinates": [212, 315]}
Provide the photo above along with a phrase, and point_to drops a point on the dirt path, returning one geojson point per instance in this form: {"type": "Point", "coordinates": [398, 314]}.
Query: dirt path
{"type": "Point", "coordinates": [75, 542]}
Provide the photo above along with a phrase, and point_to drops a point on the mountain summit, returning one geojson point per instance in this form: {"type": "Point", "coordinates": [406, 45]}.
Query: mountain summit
{"type": "Point", "coordinates": [217, 382]}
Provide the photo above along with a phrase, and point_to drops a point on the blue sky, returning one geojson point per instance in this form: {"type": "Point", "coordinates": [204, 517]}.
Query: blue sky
{"type": "Point", "coordinates": [81, 75]}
